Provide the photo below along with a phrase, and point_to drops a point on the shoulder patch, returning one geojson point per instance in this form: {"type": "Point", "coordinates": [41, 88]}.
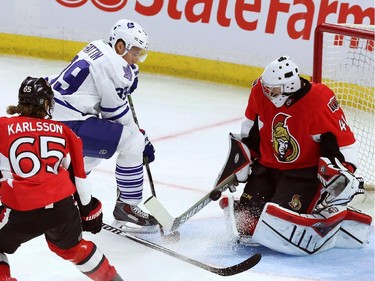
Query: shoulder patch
{"type": "Point", "coordinates": [333, 104]}
{"type": "Point", "coordinates": [127, 72]}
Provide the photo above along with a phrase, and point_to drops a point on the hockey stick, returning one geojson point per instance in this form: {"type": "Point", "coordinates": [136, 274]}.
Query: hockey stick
{"type": "Point", "coordinates": [172, 223]}
{"type": "Point", "coordinates": [131, 104]}
{"type": "Point", "coordinates": [238, 162]}
{"type": "Point", "coordinates": [145, 160]}
{"type": "Point", "coordinates": [223, 271]}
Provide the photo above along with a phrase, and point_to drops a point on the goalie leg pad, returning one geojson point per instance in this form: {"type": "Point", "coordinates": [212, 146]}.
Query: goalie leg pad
{"type": "Point", "coordinates": [227, 204]}
{"type": "Point", "coordinates": [354, 230]}
{"type": "Point", "coordinates": [291, 233]}
{"type": "Point", "coordinates": [238, 220]}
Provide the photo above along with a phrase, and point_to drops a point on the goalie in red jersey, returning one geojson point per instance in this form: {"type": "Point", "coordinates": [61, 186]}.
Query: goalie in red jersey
{"type": "Point", "coordinates": [304, 156]}
{"type": "Point", "coordinates": [37, 194]}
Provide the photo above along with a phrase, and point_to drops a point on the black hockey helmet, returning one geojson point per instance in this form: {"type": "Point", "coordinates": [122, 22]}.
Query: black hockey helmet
{"type": "Point", "coordinates": [35, 91]}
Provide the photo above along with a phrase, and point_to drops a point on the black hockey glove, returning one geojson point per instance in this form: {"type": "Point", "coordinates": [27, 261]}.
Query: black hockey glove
{"type": "Point", "coordinates": [92, 216]}
{"type": "Point", "coordinates": [149, 151]}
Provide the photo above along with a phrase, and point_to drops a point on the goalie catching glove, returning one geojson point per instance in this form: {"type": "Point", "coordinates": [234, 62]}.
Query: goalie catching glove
{"type": "Point", "coordinates": [339, 184]}
{"type": "Point", "coordinates": [91, 215]}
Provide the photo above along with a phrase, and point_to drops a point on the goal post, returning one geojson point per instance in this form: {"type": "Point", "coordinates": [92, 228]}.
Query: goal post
{"type": "Point", "coordinates": [344, 61]}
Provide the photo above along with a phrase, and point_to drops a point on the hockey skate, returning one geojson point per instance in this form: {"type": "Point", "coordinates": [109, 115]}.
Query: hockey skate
{"type": "Point", "coordinates": [238, 221]}
{"type": "Point", "coordinates": [131, 218]}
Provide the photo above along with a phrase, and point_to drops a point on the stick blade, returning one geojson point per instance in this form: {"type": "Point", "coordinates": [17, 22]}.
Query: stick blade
{"type": "Point", "coordinates": [241, 267]}
{"type": "Point", "coordinates": [161, 214]}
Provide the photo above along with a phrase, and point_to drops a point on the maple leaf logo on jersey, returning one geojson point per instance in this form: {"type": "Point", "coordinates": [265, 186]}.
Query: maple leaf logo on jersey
{"type": "Point", "coordinates": [285, 146]}
{"type": "Point", "coordinates": [127, 72]}
{"type": "Point", "coordinates": [130, 25]}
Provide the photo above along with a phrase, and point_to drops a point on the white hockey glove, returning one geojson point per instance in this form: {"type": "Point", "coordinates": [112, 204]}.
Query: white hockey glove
{"type": "Point", "coordinates": [340, 184]}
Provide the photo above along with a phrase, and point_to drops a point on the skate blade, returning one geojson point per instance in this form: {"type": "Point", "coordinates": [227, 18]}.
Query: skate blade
{"type": "Point", "coordinates": [134, 228]}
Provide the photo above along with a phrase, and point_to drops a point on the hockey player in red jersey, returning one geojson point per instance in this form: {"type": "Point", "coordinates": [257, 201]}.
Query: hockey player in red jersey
{"type": "Point", "coordinates": [36, 189]}
{"type": "Point", "coordinates": [292, 127]}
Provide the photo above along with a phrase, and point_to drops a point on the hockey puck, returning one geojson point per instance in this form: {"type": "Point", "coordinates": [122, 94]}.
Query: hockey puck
{"type": "Point", "coordinates": [172, 237]}
{"type": "Point", "coordinates": [215, 195]}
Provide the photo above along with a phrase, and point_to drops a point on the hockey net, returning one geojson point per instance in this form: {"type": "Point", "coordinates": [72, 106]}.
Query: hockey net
{"type": "Point", "coordinates": [344, 61]}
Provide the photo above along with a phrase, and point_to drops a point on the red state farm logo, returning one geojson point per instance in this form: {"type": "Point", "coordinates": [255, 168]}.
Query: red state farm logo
{"type": "Point", "coordinates": [298, 24]}
{"type": "Point", "coordinates": [104, 5]}
{"type": "Point", "coordinates": [71, 3]}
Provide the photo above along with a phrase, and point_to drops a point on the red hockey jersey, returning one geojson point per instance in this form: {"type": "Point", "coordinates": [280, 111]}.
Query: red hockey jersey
{"type": "Point", "coordinates": [34, 157]}
{"type": "Point", "coordinates": [290, 134]}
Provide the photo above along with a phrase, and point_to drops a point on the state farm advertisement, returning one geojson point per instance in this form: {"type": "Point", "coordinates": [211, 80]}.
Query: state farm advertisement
{"type": "Point", "coordinates": [249, 32]}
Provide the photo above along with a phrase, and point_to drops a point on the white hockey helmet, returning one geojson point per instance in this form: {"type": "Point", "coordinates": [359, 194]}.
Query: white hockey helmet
{"type": "Point", "coordinates": [132, 34]}
{"type": "Point", "coordinates": [280, 79]}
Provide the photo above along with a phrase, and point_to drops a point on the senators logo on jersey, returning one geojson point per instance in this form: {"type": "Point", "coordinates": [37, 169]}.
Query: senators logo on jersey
{"type": "Point", "coordinates": [285, 146]}
{"type": "Point", "coordinates": [295, 203]}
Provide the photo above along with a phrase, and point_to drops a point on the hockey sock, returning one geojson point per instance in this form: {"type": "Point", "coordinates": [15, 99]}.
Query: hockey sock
{"type": "Point", "coordinates": [88, 259]}
{"type": "Point", "coordinates": [103, 272]}
{"type": "Point", "coordinates": [130, 183]}
{"type": "Point", "coordinates": [5, 273]}
{"type": "Point", "coordinates": [4, 267]}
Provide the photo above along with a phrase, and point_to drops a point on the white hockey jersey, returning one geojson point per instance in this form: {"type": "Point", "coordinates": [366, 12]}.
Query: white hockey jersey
{"type": "Point", "coordinates": [95, 83]}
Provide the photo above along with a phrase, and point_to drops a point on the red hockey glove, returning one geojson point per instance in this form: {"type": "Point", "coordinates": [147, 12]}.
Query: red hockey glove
{"type": "Point", "coordinates": [92, 216]}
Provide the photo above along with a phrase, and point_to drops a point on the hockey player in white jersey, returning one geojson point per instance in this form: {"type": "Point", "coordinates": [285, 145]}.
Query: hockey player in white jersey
{"type": "Point", "coordinates": [91, 98]}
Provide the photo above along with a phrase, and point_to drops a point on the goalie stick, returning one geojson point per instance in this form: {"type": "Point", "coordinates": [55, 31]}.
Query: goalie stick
{"type": "Point", "coordinates": [223, 271]}
{"type": "Point", "coordinates": [238, 161]}
{"type": "Point", "coordinates": [172, 223]}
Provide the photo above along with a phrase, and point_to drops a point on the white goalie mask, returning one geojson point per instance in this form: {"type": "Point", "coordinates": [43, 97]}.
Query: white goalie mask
{"type": "Point", "coordinates": [280, 79]}
{"type": "Point", "coordinates": [132, 34]}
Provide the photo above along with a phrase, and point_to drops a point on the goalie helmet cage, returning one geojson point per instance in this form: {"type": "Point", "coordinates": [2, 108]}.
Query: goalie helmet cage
{"type": "Point", "coordinates": [344, 61]}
